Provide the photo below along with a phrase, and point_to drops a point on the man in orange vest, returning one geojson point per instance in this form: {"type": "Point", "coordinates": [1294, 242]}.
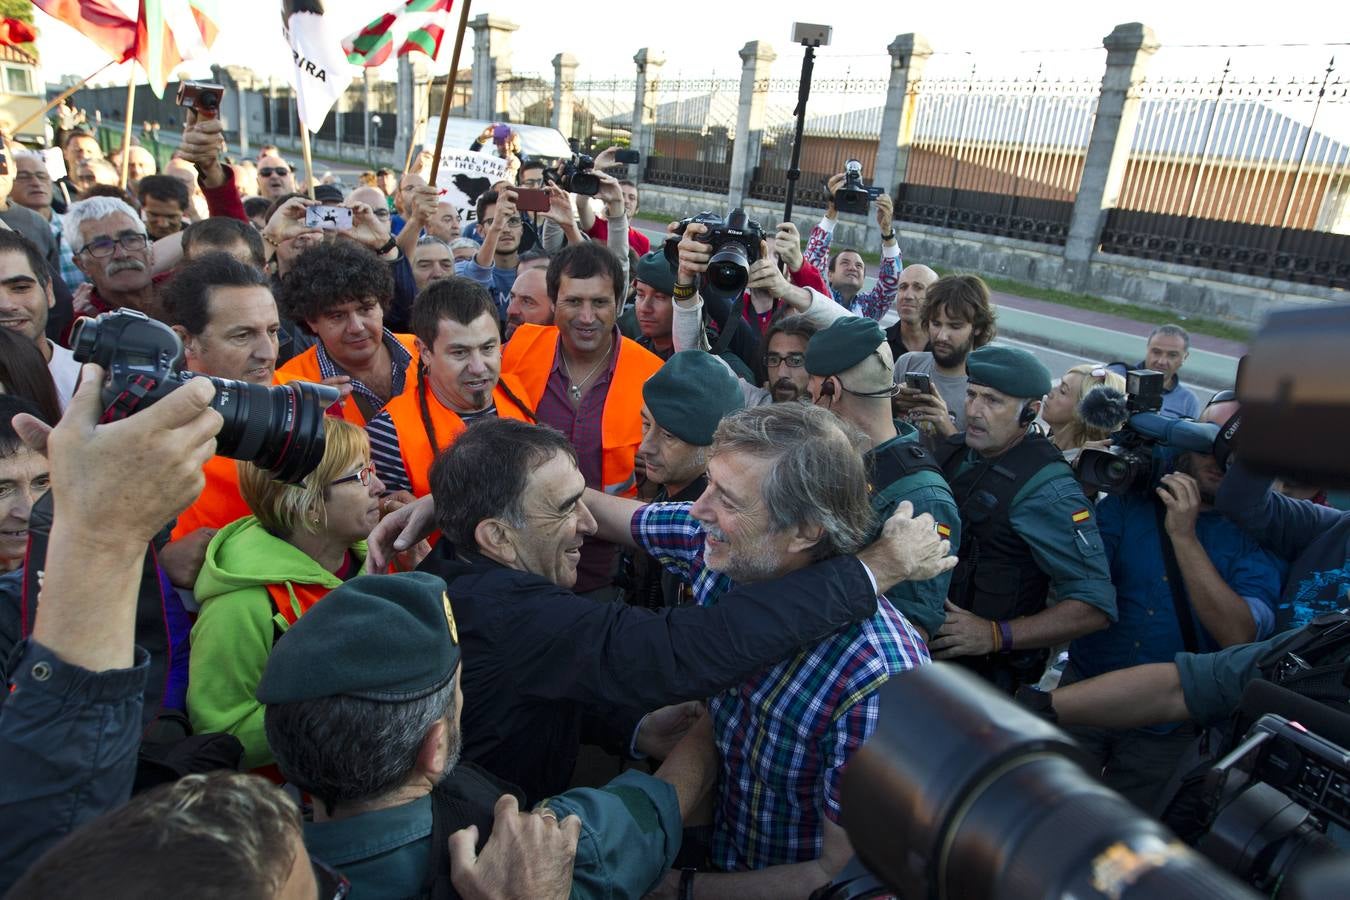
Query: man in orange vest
{"type": "Point", "coordinates": [224, 313]}
{"type": "Point", "coordinates": [585, 379]}
{"type": "Point", "coordinates": [340, 291]}
{"type": "Point", "coordinates": [455, 323]}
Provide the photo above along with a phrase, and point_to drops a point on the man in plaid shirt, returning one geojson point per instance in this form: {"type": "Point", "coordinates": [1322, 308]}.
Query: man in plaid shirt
{"type": "Point", "coordinates": [785, 735]}
{"type": "Point", "coordinates": [845, 270]}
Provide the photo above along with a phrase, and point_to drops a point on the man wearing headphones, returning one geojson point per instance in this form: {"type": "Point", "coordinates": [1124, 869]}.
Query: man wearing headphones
{"type": "Point", "coordinates": [851, 367]}
{"type": "Point", "coordinates": [1026, 528]}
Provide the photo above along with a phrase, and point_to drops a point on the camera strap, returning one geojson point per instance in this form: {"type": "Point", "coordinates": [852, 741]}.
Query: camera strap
{"type": "Point", "coordinates": [1180, 601]}
{"type": "Point", "coordinates": [734, 319]}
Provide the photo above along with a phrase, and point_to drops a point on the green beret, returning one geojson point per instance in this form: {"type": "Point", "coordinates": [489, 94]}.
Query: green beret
{"type": "Point", "coordinates": [1009, 370]}
{"type": "Point", "coordinates": [690, 394]}
{"type": "Point", "coordinates": [847, 342]}
{"type": "Point", "coordinates": [654, 269]}
{"type": "Point", "coordinates": [390, 638]}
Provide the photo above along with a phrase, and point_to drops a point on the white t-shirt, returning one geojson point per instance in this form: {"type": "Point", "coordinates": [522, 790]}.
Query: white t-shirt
{"type": "Point", "coordinates": [65, 372]}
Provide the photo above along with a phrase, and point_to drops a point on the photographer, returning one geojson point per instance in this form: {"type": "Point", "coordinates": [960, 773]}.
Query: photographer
{"type": "Point", "coordinates": [845, 269]}
{"type": "Point", "coordinates": [1186, 578]}
{"type": "Point", "coordinates": [71, 721]}
{"type": "Point", "coordinates": [597, 228]}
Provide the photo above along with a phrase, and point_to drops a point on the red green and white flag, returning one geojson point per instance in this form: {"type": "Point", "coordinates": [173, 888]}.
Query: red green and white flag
{"type": "Point", "coordinates": [413, 25]}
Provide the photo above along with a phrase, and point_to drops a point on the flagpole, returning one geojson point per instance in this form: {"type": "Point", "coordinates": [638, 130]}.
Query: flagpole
{"type": "Point", "coordinates": [309, 163]}
{"type": "Point", "coordinates": [449, 92]}
{"type": "Point", "coordinates": [60, 98]}
{"type": "Point", "coordinates": [126, 130]}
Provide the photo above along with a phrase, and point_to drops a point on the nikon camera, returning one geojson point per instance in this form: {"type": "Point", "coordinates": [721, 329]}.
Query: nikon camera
{"type": "Point", "coordinates": [735, 243]}
{"type": "Point", "coordinates": [277, 428]}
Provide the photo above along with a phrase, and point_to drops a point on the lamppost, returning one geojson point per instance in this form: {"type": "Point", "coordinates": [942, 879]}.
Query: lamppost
{"type": "Point", "coordinates": [375, 123]}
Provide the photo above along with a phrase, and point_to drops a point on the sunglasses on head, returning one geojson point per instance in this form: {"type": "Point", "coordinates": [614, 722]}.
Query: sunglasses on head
{"type": "Point", "coordinates": [279, 170]}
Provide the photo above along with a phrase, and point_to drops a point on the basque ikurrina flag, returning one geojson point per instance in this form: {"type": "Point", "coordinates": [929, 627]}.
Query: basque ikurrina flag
{"type": "Point", "coordinates": [413, 25]}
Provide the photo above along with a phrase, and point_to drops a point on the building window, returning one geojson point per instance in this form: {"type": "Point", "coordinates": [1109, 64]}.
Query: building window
{"type": "Point", "coordinates": [18, 81]}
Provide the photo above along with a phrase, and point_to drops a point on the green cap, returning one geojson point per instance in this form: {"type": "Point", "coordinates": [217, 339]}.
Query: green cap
{"type": "Point", "coordinates": [390, 638]}
{"type": "Point", "coordinates": [1008, 370]}
{"type": "Point", "coordinates": [654, 269]}
{"type": "Point", "coordinates": [689, 395]}
{"type": "Point", "coordinates": [847, 342]}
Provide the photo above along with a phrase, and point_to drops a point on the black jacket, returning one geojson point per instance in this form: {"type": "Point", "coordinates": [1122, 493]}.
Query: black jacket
{"type": "Point", "coordinates": [536, 656]}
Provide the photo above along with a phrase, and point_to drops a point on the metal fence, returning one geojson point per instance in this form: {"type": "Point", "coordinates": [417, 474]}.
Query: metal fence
{"type": "Point", "coordinates": [602, 112]}
{"type": "Point", "coordinates": [693, 133]}
{"type": "Point", "coordinates": [998, 156]}
{"type": "Point", "coordinates": [1247, 175]}
{"type": "Point", "coordinates": [843, 122]}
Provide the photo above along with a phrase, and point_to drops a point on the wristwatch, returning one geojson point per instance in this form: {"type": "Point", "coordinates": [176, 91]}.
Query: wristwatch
{"type": "Point", "coordinates": [889, 237]}
{"type": "Point", "coordinates": [389, 245]}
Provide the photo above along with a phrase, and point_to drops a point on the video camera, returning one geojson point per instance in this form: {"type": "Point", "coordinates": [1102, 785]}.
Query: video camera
{"type": "Point", "coordinates": [854, 196]}
{"type": "Point", "coordinates": [735, 242]}
{"type": "Point", "coordinates": [1134, 461]}
{"type": "Point", "coordinates": [576, 176]}
{"type": "Point", "coordinates": [278, 428]}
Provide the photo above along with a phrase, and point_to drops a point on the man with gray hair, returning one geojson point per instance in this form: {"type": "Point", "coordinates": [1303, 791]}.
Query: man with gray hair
{"type": "Point", "coordinates": [785, 733]}
{"type": "Point", "coordinates": [112, 249]}
{"type": "Point", "coordinates": [1169, 346]}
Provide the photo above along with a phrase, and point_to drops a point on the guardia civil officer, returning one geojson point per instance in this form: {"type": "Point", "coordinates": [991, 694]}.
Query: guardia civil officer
{"type": "Point", "coordinates": [1026, 529]}
{"type": "Point", "coordinates": [851, 372]}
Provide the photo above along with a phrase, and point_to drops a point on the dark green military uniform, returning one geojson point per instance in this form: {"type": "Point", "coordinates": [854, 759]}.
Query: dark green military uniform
{"type": "Point", "coordinates": [393, 639]}
{"type": "Point", "coordinates": [927, 491]}
{"type": "Point", "coordinates": [1027, 528]}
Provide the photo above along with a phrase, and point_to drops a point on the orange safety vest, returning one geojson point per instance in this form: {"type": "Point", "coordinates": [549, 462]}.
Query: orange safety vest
{"type": "Point", "coordinates": [415, 444]}
{"type": "Point", "coordinates": [291, 601]}
{"type": "Point", "coordinates": [530, 356]}
{"type": "Point", "coordinates": [305, 367]}
{"type": "Point", "coordinates": [219, 503]}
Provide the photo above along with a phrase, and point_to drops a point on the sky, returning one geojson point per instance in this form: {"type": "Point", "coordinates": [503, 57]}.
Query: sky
{"type": "Point", "coordinates": [702, 39]}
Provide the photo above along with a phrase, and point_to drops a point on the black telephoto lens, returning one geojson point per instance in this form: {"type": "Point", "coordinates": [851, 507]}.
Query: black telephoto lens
{"type": "Point", "coordinates": [277, 428]}
{"type": "Point", "coordinates": [729, 269]}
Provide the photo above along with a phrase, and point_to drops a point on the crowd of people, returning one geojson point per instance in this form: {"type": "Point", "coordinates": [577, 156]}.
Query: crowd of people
{"type": "Point", "coordinates": [569, 498]}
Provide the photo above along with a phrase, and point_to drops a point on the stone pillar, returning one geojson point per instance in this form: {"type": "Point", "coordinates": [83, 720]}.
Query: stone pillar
{"type": "Point", "coordinates": [564, 76]}
{"type": "Point", "coordinates": [410, 95]}
{"type": "Point", "coordinates": [649, 63]}
{"type": "Point", "coordinates": [491, 62]}
{"type": "Point", "coordinates": [756, 58]}
{"type": "Point", "coordinates": [1128, 50]}
{"type": "Point", "coordinates": [909, 57]}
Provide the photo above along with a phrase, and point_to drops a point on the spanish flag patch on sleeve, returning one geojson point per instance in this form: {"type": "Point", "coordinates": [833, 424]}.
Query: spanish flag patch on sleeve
{"type": "Point", "coordinates": [944, 530]}
{"type": "Point", "coordinates": [1082, 515]}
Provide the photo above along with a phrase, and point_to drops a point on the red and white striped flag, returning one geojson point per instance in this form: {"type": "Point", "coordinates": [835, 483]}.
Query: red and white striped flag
{"type": "Point", "coordinates": [419, 23]}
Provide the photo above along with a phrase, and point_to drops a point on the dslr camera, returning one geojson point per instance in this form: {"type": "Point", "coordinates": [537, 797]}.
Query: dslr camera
{"type": "Point", "coordinates": [735, 242]}
{"type": "Point", "coordinates": [277, 428]}
{"type": "Point", "coordinates": [203, 97]}
{"type": "Point", "coordinates": [1135, 460]}
{"type": "Point", "coordinates": [854, 196]}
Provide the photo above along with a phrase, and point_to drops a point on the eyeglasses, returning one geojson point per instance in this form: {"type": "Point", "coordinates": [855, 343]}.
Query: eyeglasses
{"type": "Point", "coordinates": [513, 222]}
{"type": "Point", "coordinates": [333, 885]}
{"type": "Point", "coordinates": [104, 247]}
{"type": "Point", "coordinates": [364, 476]}
{"type": "Point", "coordinates": [381, 213]}
{"type": "Point", "coordinates": [791, 360]}
{"type": "Point", "coordinates": [40, 177]}
{"type": "Point", "coordinates": [278, 170]}
{"type": "Point", "coordinates": [535, 183]}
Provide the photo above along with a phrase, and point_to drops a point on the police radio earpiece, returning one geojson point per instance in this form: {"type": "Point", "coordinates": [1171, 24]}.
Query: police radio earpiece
{"type": "Point", "coordinates": [827, 389]}
{"type": "Point", "coordinates": [1027, 416]}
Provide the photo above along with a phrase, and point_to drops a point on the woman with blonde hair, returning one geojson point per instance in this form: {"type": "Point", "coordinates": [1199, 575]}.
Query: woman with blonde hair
{"type": "Point", "coordinates": [1060, 411]}
{"type": "Point", "coordinates": [262, 572]}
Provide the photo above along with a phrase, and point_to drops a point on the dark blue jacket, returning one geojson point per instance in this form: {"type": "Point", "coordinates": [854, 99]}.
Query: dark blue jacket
{"type": "Point", "coordinates": [536, 655]}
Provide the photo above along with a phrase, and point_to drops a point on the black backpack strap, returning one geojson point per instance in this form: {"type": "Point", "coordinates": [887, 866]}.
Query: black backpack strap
{"type": "Point", "coordinates": [1181, 603]}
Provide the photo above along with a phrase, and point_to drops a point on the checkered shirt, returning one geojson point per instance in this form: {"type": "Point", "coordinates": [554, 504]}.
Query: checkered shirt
{"type": "Point", "coordinates": [402, 360]}
{"type": "Point", "coordinates": [785, 735]}
{"type": "Point", "coordinates": [869, 304]}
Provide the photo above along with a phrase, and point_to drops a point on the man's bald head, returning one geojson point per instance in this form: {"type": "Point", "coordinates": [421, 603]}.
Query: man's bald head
{"type": "Point", "coordinates": [372, 197]}
{"type": "Point", "coordinates": [911, 291]}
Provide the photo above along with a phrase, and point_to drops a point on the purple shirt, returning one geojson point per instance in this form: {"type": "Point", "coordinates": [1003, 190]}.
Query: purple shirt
{"type": "Point", "coordinates": [582, 428]}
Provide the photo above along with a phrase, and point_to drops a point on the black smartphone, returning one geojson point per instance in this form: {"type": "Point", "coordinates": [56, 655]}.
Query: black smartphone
{"type": "Point", "coordinates": [627, 156]}
{"type": "Point", "coordinates": [919, 381]}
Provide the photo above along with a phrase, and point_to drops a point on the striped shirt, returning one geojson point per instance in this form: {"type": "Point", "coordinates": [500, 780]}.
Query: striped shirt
{"type": "Point", "coordinates": [386, 452]}
{"type": "Point", "coordinates": [398, 355]}
{"type": "Point", "coordinates": [785, 735]}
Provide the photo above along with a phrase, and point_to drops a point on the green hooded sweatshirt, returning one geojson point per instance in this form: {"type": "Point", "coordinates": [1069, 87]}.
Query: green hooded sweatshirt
{"type": "Point", "coordinates": [236, 626]}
